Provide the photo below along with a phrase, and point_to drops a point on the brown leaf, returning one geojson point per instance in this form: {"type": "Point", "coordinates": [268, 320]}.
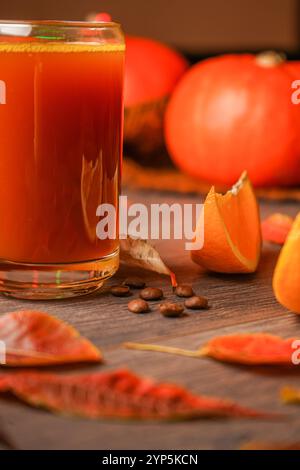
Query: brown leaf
{"type": "Point", "coordinates": [250, 349]}
{"type": "Point", "coordinates": [119, 394]}
{"type": "Point", "coordinates": [35, 338]}
{"type": "Point", "coordinates": [140, 253]}
{"type": "Point", "coordinates": [135, 176]}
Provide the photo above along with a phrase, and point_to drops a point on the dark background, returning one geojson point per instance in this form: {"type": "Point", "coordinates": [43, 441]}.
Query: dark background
{"type": "Point", "coordinates": [197, 27]}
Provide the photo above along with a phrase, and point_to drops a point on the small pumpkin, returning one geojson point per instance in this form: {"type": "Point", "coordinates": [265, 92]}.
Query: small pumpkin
{"type": "Point", "coordinates": [233, 113]}
{"type": "Point", "coordinates": [151, 72]}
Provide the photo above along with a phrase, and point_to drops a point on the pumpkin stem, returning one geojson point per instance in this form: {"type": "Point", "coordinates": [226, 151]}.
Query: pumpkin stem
{"type": "Point", "coordinates": [270, 59]}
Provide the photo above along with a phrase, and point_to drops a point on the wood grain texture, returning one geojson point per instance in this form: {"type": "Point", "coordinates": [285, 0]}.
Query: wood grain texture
{"type": "Point", "coordinates": [238, 303]}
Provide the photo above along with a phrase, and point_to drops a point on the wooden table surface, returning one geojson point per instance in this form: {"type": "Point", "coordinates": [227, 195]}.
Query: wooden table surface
{"type": "Point", "coordinates": [242, 303]}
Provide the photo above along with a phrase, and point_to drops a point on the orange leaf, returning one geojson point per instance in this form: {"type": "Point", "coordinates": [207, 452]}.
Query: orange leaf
{"type": "Point", "coordinates": [276, 228]}
{"type": "Point", "coordinates": [35, 338]}
{"type": "Point", "coordinates": [251, 349]}
{"type": "Point", "coordinates": [118, 394]}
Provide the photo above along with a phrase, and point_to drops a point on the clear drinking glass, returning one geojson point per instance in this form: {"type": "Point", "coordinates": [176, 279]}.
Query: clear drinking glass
{"type": "Point", "coordinates": [61, 117]}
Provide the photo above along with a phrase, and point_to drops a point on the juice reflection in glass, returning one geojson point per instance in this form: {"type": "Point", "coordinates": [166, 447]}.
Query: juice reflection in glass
{"type": "Point", "coordinates": [61, 117]}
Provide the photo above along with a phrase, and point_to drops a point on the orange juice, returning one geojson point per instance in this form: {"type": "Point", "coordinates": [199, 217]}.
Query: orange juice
{"type": "Point", "coordinates": [61, 115]}
{"type": "Point", "coordinates": [60, 140]}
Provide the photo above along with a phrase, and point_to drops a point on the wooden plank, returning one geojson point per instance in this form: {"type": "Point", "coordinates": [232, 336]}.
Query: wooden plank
{"type": "Point", "coordinates": [238, 303]}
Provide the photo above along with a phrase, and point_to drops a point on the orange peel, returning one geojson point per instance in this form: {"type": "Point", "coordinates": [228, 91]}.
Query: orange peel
{"type": "Point", "coordinates": [232, 230]}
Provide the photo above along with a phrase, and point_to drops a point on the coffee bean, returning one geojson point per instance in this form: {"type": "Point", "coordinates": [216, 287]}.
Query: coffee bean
{"type": "Point", "coordinates": [134, 282]}
{"type": "Point", "coordinates": [170, 309]}
{"type": "Point", "coordinates": [183, 290]}
{"type": "Point", "coordinates": [196, 302]}
{"type": "Point", "coordinates": [151, 293]}
{"type": "Point", "coordinates": [138, 306]}
{"type": "Point", "coordinates": [120, 291]}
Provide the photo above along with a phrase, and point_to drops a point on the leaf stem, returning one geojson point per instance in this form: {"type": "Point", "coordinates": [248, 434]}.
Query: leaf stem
{"type": "Point", "coordinates": [165, 349]}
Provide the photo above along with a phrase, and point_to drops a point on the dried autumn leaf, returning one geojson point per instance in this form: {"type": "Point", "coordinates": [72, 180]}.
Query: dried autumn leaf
{"type": "Point", "coordinates": [276, 228]}
{"type": "Point", "coordinates": [256, 445]}
{"type": "Point", "coordinates": [119, 394]}
{"type": "Point", "coordinates": [251, 349]}
{"type": "Point", "coordinates": [290, 395]}
{"type": "Point", "coordinates": [140, 253]}
{"type": "Point", "coordinates": [136, 176]}
{"type": "Point", "coordinates": [35, 338]}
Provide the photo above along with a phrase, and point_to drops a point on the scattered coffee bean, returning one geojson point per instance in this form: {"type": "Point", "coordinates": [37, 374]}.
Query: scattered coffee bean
{"type": "Point", "coordinates": [196, 302]}
{"type": "Point", "coordinates": [183, 290]}
{"type": "Point", "coordinates": [134, 282]}
{"type": "Point", "coordinates": [151, 293]}
{"type": "Point", "coordinates": [120, 291]}
{"type": "Point", "coordinates": [170, 309]}
{"type": "Point", "coordinates": [138, 306]}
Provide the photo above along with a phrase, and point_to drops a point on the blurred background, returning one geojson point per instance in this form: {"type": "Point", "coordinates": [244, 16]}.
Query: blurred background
{"type": "Point", "coordinates": [196, 27]}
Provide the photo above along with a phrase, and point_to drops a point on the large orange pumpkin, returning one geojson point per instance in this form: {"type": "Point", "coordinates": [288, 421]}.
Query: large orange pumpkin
{"type": "Point", "coordinates": [151, 72]}
{"type": "Point", "coordinates": [235, 113]}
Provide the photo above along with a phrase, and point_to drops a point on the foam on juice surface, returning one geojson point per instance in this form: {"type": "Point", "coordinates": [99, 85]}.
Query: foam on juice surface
{"type": "Point", "coordinates": [34, 47]}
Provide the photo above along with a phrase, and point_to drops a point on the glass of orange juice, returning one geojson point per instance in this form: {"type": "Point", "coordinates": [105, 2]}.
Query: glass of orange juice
{"type": "Point", "coordinates": [61, 116]}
